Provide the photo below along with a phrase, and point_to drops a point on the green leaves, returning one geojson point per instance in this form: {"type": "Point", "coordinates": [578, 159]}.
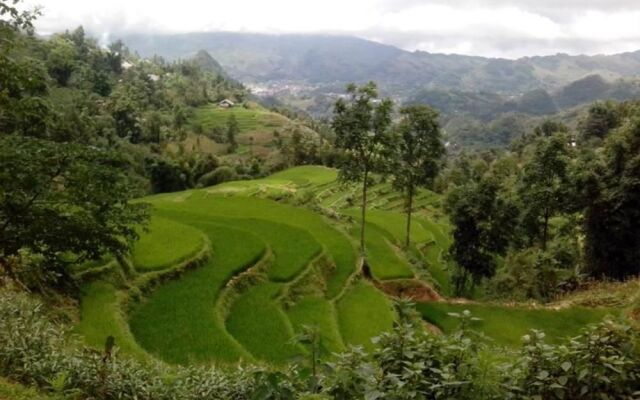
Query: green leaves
{"type": "Point", "coordinates": [58, 200]}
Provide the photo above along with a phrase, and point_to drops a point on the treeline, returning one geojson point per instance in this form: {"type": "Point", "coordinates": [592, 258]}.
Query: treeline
{"type": "Point", "coordinates": [405, 363]}
{"type": "Point", "coordinates": [558, 207]}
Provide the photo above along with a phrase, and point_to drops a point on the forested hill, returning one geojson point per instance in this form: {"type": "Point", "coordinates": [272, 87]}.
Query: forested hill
{"type": "Point", "coordinates": [330, 59]}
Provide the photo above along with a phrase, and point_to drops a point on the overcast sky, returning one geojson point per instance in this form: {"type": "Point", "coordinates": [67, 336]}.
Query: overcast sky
{"type": "Point", "coordinates": [495, 28]}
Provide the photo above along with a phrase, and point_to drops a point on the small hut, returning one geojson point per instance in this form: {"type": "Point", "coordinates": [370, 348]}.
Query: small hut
{"type": "Point", "coordinates": [226, 103]}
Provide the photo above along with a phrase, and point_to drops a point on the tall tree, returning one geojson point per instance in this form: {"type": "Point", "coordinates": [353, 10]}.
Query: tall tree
{"type": "Point", "coordinates": [361, 124]}
{"type": "Point", "coordinates": [419, 151]}
{"type": "Point", "coordinates": [483, 223]}
{"type": "Point", "coordinates": [612, 192]}
{"type": "Point", "coordinates": [545, 187]}
{"type": "Point", "coordinates": [601, 118]}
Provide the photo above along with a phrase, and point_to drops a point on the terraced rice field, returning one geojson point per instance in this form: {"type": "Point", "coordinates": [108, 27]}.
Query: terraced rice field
{"type": "Point", "coordinates": [274, 267]}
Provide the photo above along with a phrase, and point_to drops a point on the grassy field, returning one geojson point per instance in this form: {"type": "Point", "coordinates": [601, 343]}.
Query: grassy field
{"type": "Point", "coordinates": [385, 261]}
{"type": "Point", "coordinates": [258, 322]}
{"type": "Point", "coordinates": [307, 175]}
{"type": "Point", "coordinates": [364, 313]}
{"type": "Point", "coordinates": [249, 120]}
{"type": "Point", "coordinates": [319, 313]}
{"type": "Point", "coordinates": [212, 206]}
{"type": "Point", "coordinates": [101, 317]}
{"type": "Point", "coordinates": [179, 322]}
{"type": "Point", "coordinates": [199, 318]}
{"type": "Point", "coordinates": [507, 325]}
{"type": "Point", "coordinates": [165, 244]}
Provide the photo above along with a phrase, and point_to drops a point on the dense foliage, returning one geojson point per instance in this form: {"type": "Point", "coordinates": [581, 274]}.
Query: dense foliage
{"type": "Point", "coordinates": [407, 363]}
{"type": "Point", "coordinates": [563, 209]}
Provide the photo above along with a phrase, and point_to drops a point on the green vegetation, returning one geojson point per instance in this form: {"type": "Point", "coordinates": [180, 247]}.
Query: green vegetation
{"type": "Point", "coordinates": [266, 271]}
{"type": "Point", "coordinates": [249, 119]}
{"type": "Point", "coordinates": [507, 325]}
{"type": "Point", "coordinates": [256, 321]}
{"type": "Point", "coordinates": [165, 244]}
{"type": "Point", "coordinates": [320, 313]}
{"type": "Point", "coordinates": [385, 261]}
{"type": "Point", "coordinates": [203, 204]}
{"type": "Point", "coordinates": [14, 391]}
{"type": "Point", "coordinates": [102, 317]}
{"type": "Point", "coordinates": [406, 359]}
{"type": "Point", "coordinates": [180, 322]}
{"type": "Point", "coordinates": [363, 313]}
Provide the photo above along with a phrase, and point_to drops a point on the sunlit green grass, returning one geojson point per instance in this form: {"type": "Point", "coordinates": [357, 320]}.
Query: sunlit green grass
{"type": "Point", "coordinates": [165, 244]}
{"type": "Point", "coordinates": [293, 248]}
{"type": "Point", "coordinates": [363, 313]}
{"type": "Point", "coordinates": [507, 325]}
{"type": "Point", "coordinates": [179, 321]}
{"type": "Point", "coordinates": [260, 325]}
{"type": "Point", "coordinates": [318, 313]}
{"type": "Point", "coordinates": [252, 119]}
{"type": "Point", "coordinates": [209, 206]}
{"type": "Point", "coordinates": [307, 174]}
{"type": "Point", "coordinates": [434, 253]}
{"type": "Point", "coordinates": [385, 261]}
{"type": "Point", "coordinates": [101, 317]}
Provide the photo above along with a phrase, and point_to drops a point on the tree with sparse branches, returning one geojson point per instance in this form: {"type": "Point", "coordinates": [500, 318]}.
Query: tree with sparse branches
{"type": "Point", "coordinates": [361, 124]}
{"type": "Point", "coordinates": [419, 152]}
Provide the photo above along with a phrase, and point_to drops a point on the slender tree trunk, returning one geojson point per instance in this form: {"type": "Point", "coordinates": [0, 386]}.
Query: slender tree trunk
{"type": "Point", "coordinates": [409, 212]}
{"type": "Point", "coordinates": [365, 185]}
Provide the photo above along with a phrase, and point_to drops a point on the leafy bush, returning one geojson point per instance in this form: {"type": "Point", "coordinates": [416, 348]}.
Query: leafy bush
{"type": "Point", "coordinates": [407, 363]}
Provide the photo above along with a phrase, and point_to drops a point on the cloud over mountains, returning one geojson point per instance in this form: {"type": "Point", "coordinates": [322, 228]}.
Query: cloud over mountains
{"type": "Point", "coordinates": [496, 28]}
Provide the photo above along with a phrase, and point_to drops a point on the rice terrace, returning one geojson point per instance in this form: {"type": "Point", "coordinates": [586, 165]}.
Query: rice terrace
{"type": "Point", "coordinates": [319, 200]}
{"type": "Point", "coordinates": [233, 272]}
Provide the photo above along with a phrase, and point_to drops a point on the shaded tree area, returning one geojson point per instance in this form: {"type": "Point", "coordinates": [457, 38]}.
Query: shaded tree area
{"type": "Point", "coordinates": [565, 201]}
{"type": "Point", "coordinates": [612, 194]}
{"type": "Point", "coordinates": [64, 195]}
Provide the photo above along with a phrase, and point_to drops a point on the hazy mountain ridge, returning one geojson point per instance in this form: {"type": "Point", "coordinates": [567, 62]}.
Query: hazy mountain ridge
{"type": "Point", "coordinates": [323, 59]}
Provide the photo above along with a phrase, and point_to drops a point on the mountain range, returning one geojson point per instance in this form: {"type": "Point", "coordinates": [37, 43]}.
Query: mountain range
{"type": "Point", "coordinates": [483, 102]}
{"type": "Point", "coordinates": [326, 59]}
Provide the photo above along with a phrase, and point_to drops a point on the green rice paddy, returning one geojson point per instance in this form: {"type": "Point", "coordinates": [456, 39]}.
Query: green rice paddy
{"type": "Point", "coordinates": [278, 264]}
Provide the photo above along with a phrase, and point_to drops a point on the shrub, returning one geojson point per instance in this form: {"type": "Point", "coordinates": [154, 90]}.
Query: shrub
{"type": "Point", "coordinates": [407, 363]}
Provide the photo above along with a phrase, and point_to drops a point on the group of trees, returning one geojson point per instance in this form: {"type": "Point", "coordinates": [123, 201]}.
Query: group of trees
{"type": "Point", "coordinates": [368, 142]}
{"type": "Point", "coordinates": [556, 207]}
{"type": "Point", "coordinates": [64, 194]}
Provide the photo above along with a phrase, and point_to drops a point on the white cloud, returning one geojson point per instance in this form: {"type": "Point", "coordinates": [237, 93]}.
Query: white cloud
{"type": "Point", "coordinates": [481, 27]}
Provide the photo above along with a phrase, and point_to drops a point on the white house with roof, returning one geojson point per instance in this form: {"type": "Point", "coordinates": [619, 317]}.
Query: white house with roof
{"type": "Point", "coordinates": [226, 103]}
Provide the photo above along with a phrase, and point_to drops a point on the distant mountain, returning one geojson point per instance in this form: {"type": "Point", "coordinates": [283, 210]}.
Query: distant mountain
{"type": "Point", "coordinates": [483, 102]}
{"type": "Point", "coordinates": [324, 59]}
{"type": "Point", "coordinates": [209, 64]}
